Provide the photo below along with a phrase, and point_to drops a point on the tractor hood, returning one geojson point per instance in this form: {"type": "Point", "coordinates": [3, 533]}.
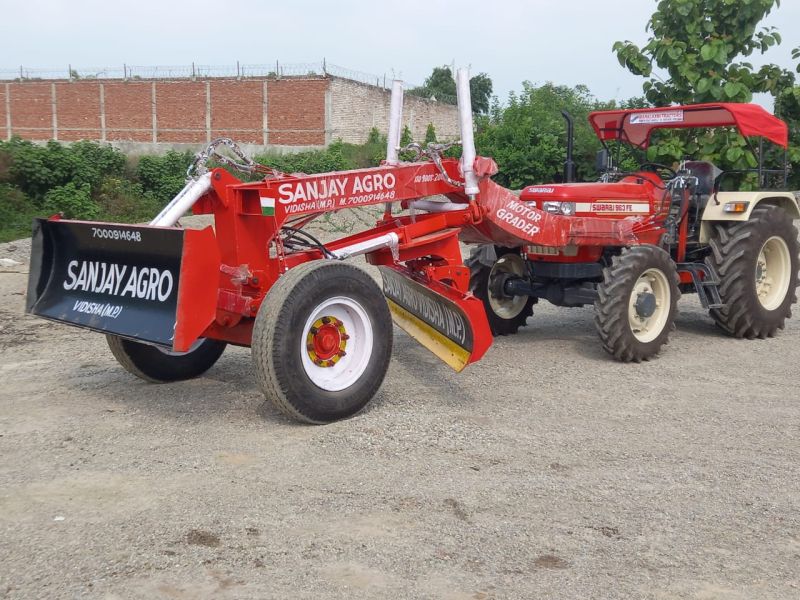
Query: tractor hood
{"type": "Point", "coordinates": [630, 189]}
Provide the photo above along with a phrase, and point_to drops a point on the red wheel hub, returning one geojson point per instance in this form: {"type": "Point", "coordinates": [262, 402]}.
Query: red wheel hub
{"type": "Point", "coordinates": [326, 341]}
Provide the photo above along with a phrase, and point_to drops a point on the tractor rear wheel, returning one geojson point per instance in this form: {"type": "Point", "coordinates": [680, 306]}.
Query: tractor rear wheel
{"type": "Point", "coordinates": [506, 314]}
{"type": "Point", "coordinates": [322, 341]}
{"type": "Point", "coordinates": [636, 304]}
{"type": "Point", "coordinates": [159, 365]}
{"type": "Point", "coordinates": [757, 262]}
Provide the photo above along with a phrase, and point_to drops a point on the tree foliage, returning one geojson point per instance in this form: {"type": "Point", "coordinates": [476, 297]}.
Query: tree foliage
{"type": "Point", "coordinates": [441, 85]}
{"type": "Point", "coordinates": [700, 44]}
{"type": "Point", "coordinates": [527, 137]}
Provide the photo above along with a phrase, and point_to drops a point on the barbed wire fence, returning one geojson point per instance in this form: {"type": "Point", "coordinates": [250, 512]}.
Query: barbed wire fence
{"type": "Point", "coordinates": [274, 70]}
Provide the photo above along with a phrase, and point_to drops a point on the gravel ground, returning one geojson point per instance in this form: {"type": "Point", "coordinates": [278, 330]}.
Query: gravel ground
{"type": "Point", "coordinates": [544, 471]}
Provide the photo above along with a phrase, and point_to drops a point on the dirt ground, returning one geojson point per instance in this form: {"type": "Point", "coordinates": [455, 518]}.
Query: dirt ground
{"type": "Point", "coordinates": [544, 471]}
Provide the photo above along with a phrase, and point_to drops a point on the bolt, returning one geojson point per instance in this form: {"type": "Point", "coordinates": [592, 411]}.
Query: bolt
{"type": "Point", "coordinates": [344, 336]}
{"type": "Point", "coordinates": [310, 347]}
{"type": "Point", "coordinates": [217, 176]}
{"type": "Point", "coordinates": [313, 331]}
{"type": "Point", "coordinates": [342, 353]}
{"type": "Point", "coordinates": [254, 281]}
{"type": "Point", "coordinates": [326, 320]}
{"type": "Point", "coordinates": [319, 362]}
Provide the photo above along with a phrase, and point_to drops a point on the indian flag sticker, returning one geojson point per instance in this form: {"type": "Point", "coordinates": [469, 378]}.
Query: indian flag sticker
{"type": "Point", "coordinates": [268, 207]}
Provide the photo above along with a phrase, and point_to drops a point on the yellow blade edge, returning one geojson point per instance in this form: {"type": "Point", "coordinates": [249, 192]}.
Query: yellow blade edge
{"type": "Point", "coordinates": [443, 347]}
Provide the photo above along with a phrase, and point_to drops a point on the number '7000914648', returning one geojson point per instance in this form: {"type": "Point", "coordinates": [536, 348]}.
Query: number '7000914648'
{"type": "Point", "coordinates": [116, 234]}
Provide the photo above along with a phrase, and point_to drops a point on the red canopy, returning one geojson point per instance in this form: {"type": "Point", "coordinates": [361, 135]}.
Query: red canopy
{"type": "Point", "coordinates": [636, 125]}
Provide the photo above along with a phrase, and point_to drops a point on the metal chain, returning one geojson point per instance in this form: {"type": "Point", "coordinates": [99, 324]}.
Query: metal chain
{"type": "Point", "coordinates": [434, 152]}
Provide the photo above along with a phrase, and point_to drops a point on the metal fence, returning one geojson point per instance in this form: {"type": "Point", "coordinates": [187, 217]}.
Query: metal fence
{"type": "Point", "coordinates": [195, 71]}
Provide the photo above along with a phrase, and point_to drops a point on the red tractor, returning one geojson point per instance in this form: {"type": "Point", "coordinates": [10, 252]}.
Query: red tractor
{"type": "Point", "coordinates": [170, 299]}
{"type": "Point", "coordinates": [737, 250]}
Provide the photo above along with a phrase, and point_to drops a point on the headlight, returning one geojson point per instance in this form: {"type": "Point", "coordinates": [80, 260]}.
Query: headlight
{"type": "Point", "coordinates": [559, 208]}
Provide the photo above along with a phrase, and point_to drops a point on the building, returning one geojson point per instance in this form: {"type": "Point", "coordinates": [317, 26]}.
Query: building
{"type": "Point", "coordinates": [263, 113]}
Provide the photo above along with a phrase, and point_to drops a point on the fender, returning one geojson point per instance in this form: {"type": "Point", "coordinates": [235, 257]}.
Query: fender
{"type": "Point", "coordinates": [716, 212]}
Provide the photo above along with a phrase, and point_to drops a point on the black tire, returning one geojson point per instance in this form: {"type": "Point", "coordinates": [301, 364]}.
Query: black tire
{"type": "Point", "coordinates": [615, 326]}
{"type": "Point", "coordinates": [279, 331]}
{"type": "Point", "coordinates": [735, 249]}
{"type": "Point", "coordinates": [480, 285]}
{"type": "Point", "coordinates": [153, 364]}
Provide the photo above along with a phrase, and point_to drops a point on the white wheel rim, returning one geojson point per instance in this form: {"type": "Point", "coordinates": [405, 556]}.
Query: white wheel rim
{"type": "Point", "coordinates": [348, 366]}
{"type": "Point", "coordinates": [507, 307]}
{"type": "Point", "coordinates": [646, 329]}
{"type": "Point", "coordinates": [773, 273]}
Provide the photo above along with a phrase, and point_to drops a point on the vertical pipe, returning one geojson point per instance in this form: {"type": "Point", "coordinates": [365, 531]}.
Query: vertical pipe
{"type": "Point", "coordinates": [395, 122]}
{"type": "Point", "coordinates": [467, 137]}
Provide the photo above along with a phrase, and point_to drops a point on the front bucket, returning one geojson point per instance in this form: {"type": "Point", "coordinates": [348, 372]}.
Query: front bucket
{"type": "Point", "coordinates": [123, 280]}
{"type": "Point", "coordinates": [451, 325]}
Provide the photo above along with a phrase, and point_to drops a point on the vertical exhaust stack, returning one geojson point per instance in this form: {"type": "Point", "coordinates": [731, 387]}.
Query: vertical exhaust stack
{"type": "Point", "coordinates": [395, 123]}
{"type": "Point", "coordinates": [393, 136]}
{"type": "Point", "coordinates": [467, 137]}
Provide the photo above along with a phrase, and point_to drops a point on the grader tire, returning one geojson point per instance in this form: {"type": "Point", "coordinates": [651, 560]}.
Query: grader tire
{"type": "Point", "coordinates": [637, 302]}
{"type": "Point", "coordinates": [156, 365]}
{"type": "Point", "coordinates": [322, 341]}
{"type": "Point", "coordinates": [757, 263]}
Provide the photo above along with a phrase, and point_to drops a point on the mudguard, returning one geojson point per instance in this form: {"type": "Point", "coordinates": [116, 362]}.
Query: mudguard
{"type": "Point", "coordinates": [125, 280]}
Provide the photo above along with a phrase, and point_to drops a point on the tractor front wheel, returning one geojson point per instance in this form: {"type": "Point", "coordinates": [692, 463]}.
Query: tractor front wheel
{"type": "Point", "coordinates": [636, 304]}
{"type": "Point", "coordinates": [159, 365]}
{"type": "Point", "coordinates": [506, 314]}
{"type": "Point", "coordinates": [322, 341]}
{"type": "Point", "coordinates": [757, 262]}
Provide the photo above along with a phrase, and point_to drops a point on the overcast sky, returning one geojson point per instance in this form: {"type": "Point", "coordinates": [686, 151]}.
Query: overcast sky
{"type": "Point", "coordinates": [564, 41]}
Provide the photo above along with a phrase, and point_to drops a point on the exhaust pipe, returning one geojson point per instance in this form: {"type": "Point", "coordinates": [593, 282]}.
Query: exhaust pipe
{"type": "Point", "coordinates": [569, 164]}
{"type": "Point", "coordinates": [467, 136]}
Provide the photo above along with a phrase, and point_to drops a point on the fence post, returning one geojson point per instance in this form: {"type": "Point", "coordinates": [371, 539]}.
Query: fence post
{"type": "Point", "coordinates": [21, 76]}
{"type": "Point", "coordinates": [124, 72]}
{"type": "Point", "coordinates": [238, 72]}
{"type": "Point", "coordinates": [193, 72]}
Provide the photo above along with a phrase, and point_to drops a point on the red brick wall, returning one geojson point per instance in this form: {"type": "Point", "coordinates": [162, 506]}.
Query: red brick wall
{"type": "Point", "coordinates": [296, 111]}
{"type": "Point", "coordinates": [237, 110]}
{"type": "Point", "coordinates": [129, 110]}
{"type": "Point", "coordinates": [31, 110]}
{"type": "Point", "coordinates": [295, 107]}
{"type": "Point", "coordinates": [3, 130]}
{"type": "Point", "coordinates": [78, 110]}
{"type": "Point", "coordinates": [181, 111]}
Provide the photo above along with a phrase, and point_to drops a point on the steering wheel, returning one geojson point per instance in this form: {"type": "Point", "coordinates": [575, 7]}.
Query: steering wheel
{"type": "Point", "coordinates": [656, 167]}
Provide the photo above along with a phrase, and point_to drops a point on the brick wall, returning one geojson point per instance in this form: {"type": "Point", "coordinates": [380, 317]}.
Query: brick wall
{"type": "Point", "coordinates": [356, 108]}
{"type": "Point", "coordinates": [286, 112]}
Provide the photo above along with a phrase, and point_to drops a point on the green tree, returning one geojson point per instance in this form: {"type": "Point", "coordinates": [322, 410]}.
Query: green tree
{"type": "Point", "coordinates": [441, 85]}
{"type": "Point", "coordinates": [430, 134]}
{"type": "Point", "coordinates": [699, 44]}
{"type": "Point", "coordinates": [527, 137]}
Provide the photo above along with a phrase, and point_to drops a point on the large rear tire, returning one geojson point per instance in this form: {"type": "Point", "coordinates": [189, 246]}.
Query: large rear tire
{"type": "Point", "coordinates": [636, 304]}
{"type": "Point", "coordinates": [757, 262]}
{"type": "Point", "coordinates": [506, 314]}
{"type": "Point", "coordinates": [158, 365]}
{"type": "Point", "coordinates": [322, 341]}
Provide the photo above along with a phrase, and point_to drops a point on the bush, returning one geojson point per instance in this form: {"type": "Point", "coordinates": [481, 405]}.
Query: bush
{"type": "Point", "coordinates": [16, 213]}
{"type": "Point", "coordinates": [72, 199]}
{"type": "Point", "coordinates": [163, 176]}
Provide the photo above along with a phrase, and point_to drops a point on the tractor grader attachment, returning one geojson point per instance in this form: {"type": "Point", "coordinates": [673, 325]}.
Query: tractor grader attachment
{"type": "Point", "coordinates": [169, 299]}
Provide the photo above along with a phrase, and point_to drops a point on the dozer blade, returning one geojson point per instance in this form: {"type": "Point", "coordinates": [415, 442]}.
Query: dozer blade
{"type": "Point", "coordinates": [450, 324]}
{"type": "Point", "coordinates": [125, 280]}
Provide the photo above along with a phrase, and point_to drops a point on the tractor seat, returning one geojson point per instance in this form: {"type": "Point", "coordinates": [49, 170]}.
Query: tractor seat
{"type": "Point", "coordinates": [706, 173]}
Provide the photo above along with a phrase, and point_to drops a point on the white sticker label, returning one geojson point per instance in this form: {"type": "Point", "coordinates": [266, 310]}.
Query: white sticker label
{"type": "Point", "coordinates": [613, 207]}
{"type": "Point", "coordinates": [664, 116]}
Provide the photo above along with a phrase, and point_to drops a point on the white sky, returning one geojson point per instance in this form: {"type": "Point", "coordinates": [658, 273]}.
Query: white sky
{"type": "Point", "coordinates": [564, 41]}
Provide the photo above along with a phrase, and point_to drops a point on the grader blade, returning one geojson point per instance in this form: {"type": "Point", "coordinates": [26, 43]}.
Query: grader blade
{"type": "Point", "coordinates": [451, 325]}
{"type": "Point", "coordinates": [123, 280]}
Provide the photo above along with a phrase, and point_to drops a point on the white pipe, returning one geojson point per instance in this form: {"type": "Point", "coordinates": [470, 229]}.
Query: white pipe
{"type": "Point", "coordinates": [467, 139]}
{"type": "Point", "coordinates": [183, 201]}
{"type": "Point", "coordinates": [388, 240]}
{"type": "Point", "coordinates": [395, 122]}
{"type": "Point", "coordinates": [436, 207]}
